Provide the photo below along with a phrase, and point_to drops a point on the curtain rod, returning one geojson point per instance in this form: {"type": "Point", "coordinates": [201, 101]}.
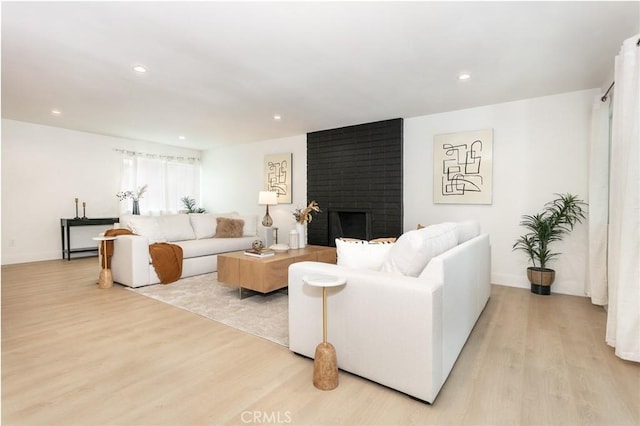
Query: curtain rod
{"type": "Point", "coordinates": [604, 97]}
{"type": "Point", "coordinates": [162, 157]}
{"type": "Point", "coordinates": [606, 94]}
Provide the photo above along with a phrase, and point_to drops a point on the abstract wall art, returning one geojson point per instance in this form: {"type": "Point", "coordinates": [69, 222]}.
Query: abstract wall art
{"type": "Point", "coordinates": [462, 167]}
{"type": "Point", "coordinates": [277, 175]}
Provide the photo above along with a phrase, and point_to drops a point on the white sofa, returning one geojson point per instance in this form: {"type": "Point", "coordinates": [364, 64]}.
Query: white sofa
{"type": "Point", "coordinates": [195, 233]}
{"type": "Point", "coordinates": [402, 331]}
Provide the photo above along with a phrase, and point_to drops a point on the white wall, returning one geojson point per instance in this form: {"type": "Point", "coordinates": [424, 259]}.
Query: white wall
{"type": "Point", "coordinates": [233, 176]}
{"type": "Point", "coordinates": [43, 169]}
{"type": "Point", "coordinates": [540, 147]}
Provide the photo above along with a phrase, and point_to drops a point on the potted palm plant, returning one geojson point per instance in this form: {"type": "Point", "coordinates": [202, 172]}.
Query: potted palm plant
{"type": "Point", "coordinates": [556, 220]}
{"type": "Point", "coordinates": [190, 205]}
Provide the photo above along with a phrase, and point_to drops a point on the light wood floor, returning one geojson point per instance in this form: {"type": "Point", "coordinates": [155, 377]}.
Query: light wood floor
{"type": "Point", "coordinates": [73, 354]}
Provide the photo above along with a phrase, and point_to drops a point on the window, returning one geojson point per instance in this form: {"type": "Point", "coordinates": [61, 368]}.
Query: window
{"type": "Point", "coordinates": [168, 179]}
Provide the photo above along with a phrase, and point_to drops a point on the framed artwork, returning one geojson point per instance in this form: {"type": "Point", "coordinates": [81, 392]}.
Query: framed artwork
{"type": "Point", "coordinates": [462, 167]}
{"type": "Point", "coordinates": [277, 176]}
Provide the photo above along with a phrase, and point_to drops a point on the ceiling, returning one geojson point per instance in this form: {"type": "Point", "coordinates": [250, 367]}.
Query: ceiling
{"type": "Point", "coordinates": [218, 72]}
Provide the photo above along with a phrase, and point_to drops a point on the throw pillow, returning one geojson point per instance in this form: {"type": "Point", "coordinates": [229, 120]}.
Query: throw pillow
{"type": "Point", "coordinates": [384, 240]}
{"type": "Point", "coordinates": [414, 249]}
{"type": "Point", "coordinates": [147, 226]}
{"type": "Point", "coordinates": [360, 254]}
{"type": "Point", "coordinates": [176, 227]}
{"type": "Point", "coordinates": [229, 228]}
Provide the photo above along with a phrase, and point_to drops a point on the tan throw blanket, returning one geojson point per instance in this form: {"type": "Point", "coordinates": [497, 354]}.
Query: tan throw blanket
{"type": "Point", "coordinates": [167, 261]}
{"type": "Point", "coordinates": [113, 233]}
{"type": "Point", "coordinates": [166, 258]}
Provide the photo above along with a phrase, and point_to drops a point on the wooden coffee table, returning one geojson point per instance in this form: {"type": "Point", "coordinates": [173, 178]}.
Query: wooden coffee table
{"type": "Point", "coordinates": [264, 275]}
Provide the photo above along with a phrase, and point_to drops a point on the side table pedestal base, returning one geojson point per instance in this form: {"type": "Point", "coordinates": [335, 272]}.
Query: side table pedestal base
{"type": "Point", "coordinates": [106, 279]}
{"type": "Point", "coordinates": [325, 367]}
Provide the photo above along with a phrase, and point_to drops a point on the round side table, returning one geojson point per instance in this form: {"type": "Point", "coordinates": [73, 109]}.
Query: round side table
{"type": "Point", "coordinates": [106, 278]}
{"type": "Point", "coordinates": [325, 362]}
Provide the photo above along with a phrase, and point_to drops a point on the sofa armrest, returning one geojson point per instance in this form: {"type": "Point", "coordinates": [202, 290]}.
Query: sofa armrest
{"type": "Point", "coordinates": [385, 327]}
{"type": "Point", "coordinates": [130, 260]}
{"type": "Point", "coordinates": [464, 272]}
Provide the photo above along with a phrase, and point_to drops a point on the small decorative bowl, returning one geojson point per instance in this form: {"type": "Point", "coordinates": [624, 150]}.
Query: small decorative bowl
{"type": "Point", "coordinates": [280, 248]}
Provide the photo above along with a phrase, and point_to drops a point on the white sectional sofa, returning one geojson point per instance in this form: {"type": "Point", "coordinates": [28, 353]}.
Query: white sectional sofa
{"type": "Point", "coordinates": [401, 324]}
{"type": "Point", "coordinates": [195, 233]}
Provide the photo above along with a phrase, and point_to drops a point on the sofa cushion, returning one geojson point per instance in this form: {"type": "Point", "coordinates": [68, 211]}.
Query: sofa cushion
{"type": "Point", "coordinates": [250, 228]}
{"type": "Point", "coordinates": [467, 230]}
{"type": "Point", "coordinates": [414, 249]}
{"type": "Point", "coordinates": [212, 246]}
{"type": "Point", "coordinates": [229, 228]}
{"type": "Point", "coordinates": [361, 254]}
{"type": "Point", "coordinates": [176, 227]}
{"type": "Point", "coordinates": [203, 224]}
{"type": "Point", "coordinates": [147, 226]}
{"type": "Point", "coordinates": [124, 221]}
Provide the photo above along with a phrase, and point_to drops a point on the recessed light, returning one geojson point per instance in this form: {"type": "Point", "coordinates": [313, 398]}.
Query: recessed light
{"type": "Point", "coordinates": [56, 112]}
{"type": "Point", "coordinates": [277, 117]}
{"type": "Point", "coordinates": [464, 76]}
{"type": "Point", "coordinates": [181, 138]}
{"type": "Point", "coordinates": [139, 69]}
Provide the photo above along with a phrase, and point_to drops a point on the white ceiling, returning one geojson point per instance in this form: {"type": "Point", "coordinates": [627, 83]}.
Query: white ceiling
{"type": "Point", "coordinates": [219, 71]}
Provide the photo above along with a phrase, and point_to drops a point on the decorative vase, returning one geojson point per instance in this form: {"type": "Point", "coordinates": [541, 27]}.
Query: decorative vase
{"type": "Point", "coordinates": [136, 207]}
{"type": "Point", "coordinates": [294, 239]}
{"type": "Point", "coordinates": [302, 234]}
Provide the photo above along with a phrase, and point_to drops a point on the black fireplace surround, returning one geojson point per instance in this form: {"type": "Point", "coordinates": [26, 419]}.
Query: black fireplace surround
{"type": "Point", "coordinates": [355, 175]}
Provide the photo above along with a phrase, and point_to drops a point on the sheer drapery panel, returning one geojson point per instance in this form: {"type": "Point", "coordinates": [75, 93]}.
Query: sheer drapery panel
{"type": "Point", "coordinates": [623, 315]}
{"type": "Point", "coordinates": [614, 206]}
{"type": "Point", "coordinates": [168, 180]}
{"type": "Point", "coordinates": [598, 218]}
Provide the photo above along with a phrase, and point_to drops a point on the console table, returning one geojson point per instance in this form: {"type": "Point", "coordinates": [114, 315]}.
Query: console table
{"type": "Point", "coordinates": [65, 233]}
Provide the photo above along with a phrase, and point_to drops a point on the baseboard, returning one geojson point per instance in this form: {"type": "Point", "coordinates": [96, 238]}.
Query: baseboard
{"type": "Point", "coordinates": [521, 281]}
{"type": "Point", "coordinates": [509, 280]}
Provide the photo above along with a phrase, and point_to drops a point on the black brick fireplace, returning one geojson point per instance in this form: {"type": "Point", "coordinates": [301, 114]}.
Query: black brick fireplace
{"type": "Point", "coordinates": [355, 175]}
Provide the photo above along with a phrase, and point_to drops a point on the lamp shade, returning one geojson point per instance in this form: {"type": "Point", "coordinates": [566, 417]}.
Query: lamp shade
{"type": "Point", "coordinates": [267, 198]}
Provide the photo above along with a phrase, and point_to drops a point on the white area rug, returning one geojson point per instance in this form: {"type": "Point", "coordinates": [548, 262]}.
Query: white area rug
{"type": "Point", "coordinates": [264, 316]}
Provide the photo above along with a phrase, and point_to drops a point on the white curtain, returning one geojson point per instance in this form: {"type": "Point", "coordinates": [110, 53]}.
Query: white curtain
{"type": "Point", "coordinates": [168, 180]}
{"type": "Point", "coordinates": [598, 218]}
{"type": "Point", "coordinates": [623, 315]}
